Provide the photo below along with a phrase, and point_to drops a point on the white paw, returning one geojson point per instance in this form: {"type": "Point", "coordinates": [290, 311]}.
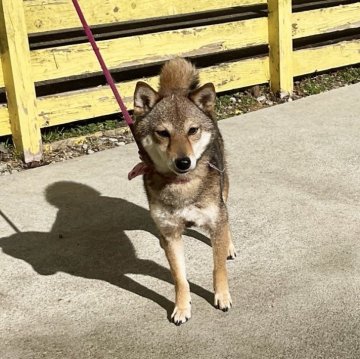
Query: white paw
{"type": "Point", "coordinates": [223, 301]}
{"type": "Point", "coordinates": [181, 315]}
{"type": "Point", "coordinates": [231, 252]}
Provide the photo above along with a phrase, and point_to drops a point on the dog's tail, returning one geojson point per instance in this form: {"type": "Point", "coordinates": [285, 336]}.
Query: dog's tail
{"type": "Point", "coordinates": [178, 76]}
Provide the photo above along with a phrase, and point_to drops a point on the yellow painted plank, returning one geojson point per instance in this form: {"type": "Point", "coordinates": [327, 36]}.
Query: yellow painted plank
{"type": "Point", "coordinates": [2, 83]}
{"type": "Point", "coordinates": [19, 86]}
{"type": "Point", "coordinates": [234, 75]}
{"type": "Point", "coordinates": [280, 46]}
{"type": "Point", "coordinates": [5, 128]}
{"type": "Point", "coordinates": [313, 22]}
{"type": "Point", "coordinates": [66, 61]}
{"type": "Point", "coordinates": [99, 101]}
{"type": "Point", "coordinates": [322, 58]}
{"type": "Point", "coordinates": [52, 15]}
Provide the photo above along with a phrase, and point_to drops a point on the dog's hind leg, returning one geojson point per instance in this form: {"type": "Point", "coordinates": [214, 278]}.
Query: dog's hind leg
{"type": "Point", "coordinates": [221, 239]}
{"type": "Point", "coordinates": [174, 250]}
{"type": "Point", "coordinates": [225, 193]}
{"type": "Point", "coordinates": [231, 251]}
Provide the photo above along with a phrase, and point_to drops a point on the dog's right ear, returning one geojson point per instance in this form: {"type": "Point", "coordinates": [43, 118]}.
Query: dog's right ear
{"type": "Point", "coordinates": [145, 98]}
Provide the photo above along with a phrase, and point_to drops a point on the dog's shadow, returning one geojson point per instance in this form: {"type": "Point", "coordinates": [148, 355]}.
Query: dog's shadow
{"type": "Point", "coordinates": [88, 240]}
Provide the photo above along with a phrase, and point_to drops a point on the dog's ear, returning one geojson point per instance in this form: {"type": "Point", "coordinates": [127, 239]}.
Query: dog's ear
{"type": "Point", "coordinates": [204, 97]}
{"type": "Point", "coordinates": [145, 98]}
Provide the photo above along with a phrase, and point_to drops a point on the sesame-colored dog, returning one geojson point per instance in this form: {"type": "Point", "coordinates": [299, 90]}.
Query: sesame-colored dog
{"type": "Point", "coordinates": [188, 183]}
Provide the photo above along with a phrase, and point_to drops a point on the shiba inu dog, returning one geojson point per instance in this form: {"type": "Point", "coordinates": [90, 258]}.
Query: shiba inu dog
{"type": "Point", "coordinates": [187, 182]}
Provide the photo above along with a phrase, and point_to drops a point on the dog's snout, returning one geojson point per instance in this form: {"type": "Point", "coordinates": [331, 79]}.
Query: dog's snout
{"type": "Point", "coordinates": [183, 164]}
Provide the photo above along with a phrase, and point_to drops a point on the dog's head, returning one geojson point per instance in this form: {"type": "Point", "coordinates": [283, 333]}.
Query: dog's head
{"type": "Point", "coordinates": [175, 129]}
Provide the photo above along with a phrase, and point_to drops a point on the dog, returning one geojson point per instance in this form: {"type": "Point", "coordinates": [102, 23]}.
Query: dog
{"type": "Point", "coordinates": [187, 182]}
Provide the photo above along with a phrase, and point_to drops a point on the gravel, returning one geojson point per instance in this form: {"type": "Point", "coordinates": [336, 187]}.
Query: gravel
{"type": "Point", "coordinates": [63, 150]}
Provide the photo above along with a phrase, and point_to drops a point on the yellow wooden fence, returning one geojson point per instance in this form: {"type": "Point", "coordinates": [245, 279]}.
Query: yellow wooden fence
{"type": "Point", "coordinates": [23, 69]}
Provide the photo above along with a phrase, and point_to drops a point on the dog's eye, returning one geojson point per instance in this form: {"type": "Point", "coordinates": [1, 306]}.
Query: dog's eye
{"type": "Point", "coordinates": [193, 130]}
{"type": "Point", "coordinates": [163, 133]}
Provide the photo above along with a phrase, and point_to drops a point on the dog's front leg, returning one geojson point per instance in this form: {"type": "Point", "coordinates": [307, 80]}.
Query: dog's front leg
{"type": "Point", "coordinates": [220, 238]}
{"type": "Point", "coordinates": [174, 250]}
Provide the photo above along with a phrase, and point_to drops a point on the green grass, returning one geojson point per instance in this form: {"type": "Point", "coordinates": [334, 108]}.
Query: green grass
{"type": "Point", "coordinates": [316, 84]}
{"type": "Point", "coordinates": [350, 75]}
{"type": "Point", "coordinates": [82, 129]}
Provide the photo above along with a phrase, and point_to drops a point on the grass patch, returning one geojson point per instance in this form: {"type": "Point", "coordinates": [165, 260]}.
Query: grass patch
{"type": "Point", "coordinates": [315, 84]}
{"type": "Point", "coordinates": [80, 129]}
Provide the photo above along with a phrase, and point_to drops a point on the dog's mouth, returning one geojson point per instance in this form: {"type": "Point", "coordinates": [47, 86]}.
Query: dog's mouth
{"type": "Point", "coordinates": [181, 172]}
{"type": "Point", "coordinates": [179, 177]}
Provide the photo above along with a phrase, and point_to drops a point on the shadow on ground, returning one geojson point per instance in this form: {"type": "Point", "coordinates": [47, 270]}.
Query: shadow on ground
{"type": "Point", "coordinates": [88, 240]}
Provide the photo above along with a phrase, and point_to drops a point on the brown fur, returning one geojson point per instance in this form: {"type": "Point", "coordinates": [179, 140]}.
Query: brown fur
{"type": "Point", "coordinates": [177, 123]}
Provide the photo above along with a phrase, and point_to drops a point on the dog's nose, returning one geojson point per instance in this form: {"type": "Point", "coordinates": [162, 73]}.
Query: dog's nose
{"type": "Point", "coordinates": [183, 164]}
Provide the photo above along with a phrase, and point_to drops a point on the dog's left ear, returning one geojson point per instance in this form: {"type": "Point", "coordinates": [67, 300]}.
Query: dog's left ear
{"type": "Point", "coordinates": [204, 97]}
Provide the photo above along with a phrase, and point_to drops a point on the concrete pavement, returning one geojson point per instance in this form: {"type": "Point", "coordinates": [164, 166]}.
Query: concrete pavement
{"type": "Point", "coordinates": [82, 274]}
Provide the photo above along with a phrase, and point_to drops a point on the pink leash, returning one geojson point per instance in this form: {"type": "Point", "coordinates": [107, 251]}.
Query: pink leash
{"type": "Point", "coordinates": [104, 68]}
{"type": "Point", "coordinates": [140, 168]}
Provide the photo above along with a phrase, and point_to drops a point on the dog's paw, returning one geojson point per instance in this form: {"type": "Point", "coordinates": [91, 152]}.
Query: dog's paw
{"type": "Point", "coordinates": [231, 252]}
{"type": "Point", "coordinates": [181, 315]}
{"type": "Point", "coordinates": [223, 301]}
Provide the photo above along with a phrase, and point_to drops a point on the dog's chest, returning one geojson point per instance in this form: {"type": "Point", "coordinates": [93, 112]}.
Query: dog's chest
{"type": "Point", "coordinates": [201, 217]}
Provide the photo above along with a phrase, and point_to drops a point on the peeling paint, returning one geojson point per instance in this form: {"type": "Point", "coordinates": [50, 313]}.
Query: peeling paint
{"type": "Point", "coordinates": [59, 15]}
{"type": "Point", "coordinates": [75, 60]}
{"type": "Point", "coordinates": [320, 21]}
{"type": "Point", "coordinates": [38, 24]}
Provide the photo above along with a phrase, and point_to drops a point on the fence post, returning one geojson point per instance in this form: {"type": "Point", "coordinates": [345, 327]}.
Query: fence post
{"type": "Point", "coordinates": [280, 46]}
{"type": "Point", "coordinates": [19, 85]}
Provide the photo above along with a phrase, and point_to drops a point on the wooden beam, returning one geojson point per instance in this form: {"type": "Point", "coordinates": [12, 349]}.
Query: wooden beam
{"type": "Point", "coordinates": [53, 15]}
{"type": "Point", "coordinates": [326, 57]}
{"type": "Point", "coordinates": [2, 83]}
{"type": "Point", "coordinates": [99, 101]}
{"type": "Point", "coordinates": [280, 46]}
{"type": "Point", "coordinates": [20, 90]}
{"type": "Point", "coordinates": [5, 128]}
{"type": "Point", "coordinates": [321, 21]}
{"type": "Point", "coordinates": [79, 59]}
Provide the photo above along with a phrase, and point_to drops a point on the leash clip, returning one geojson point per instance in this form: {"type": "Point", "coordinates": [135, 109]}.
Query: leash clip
{"type": "Point", "coordinates": [215, 168]}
